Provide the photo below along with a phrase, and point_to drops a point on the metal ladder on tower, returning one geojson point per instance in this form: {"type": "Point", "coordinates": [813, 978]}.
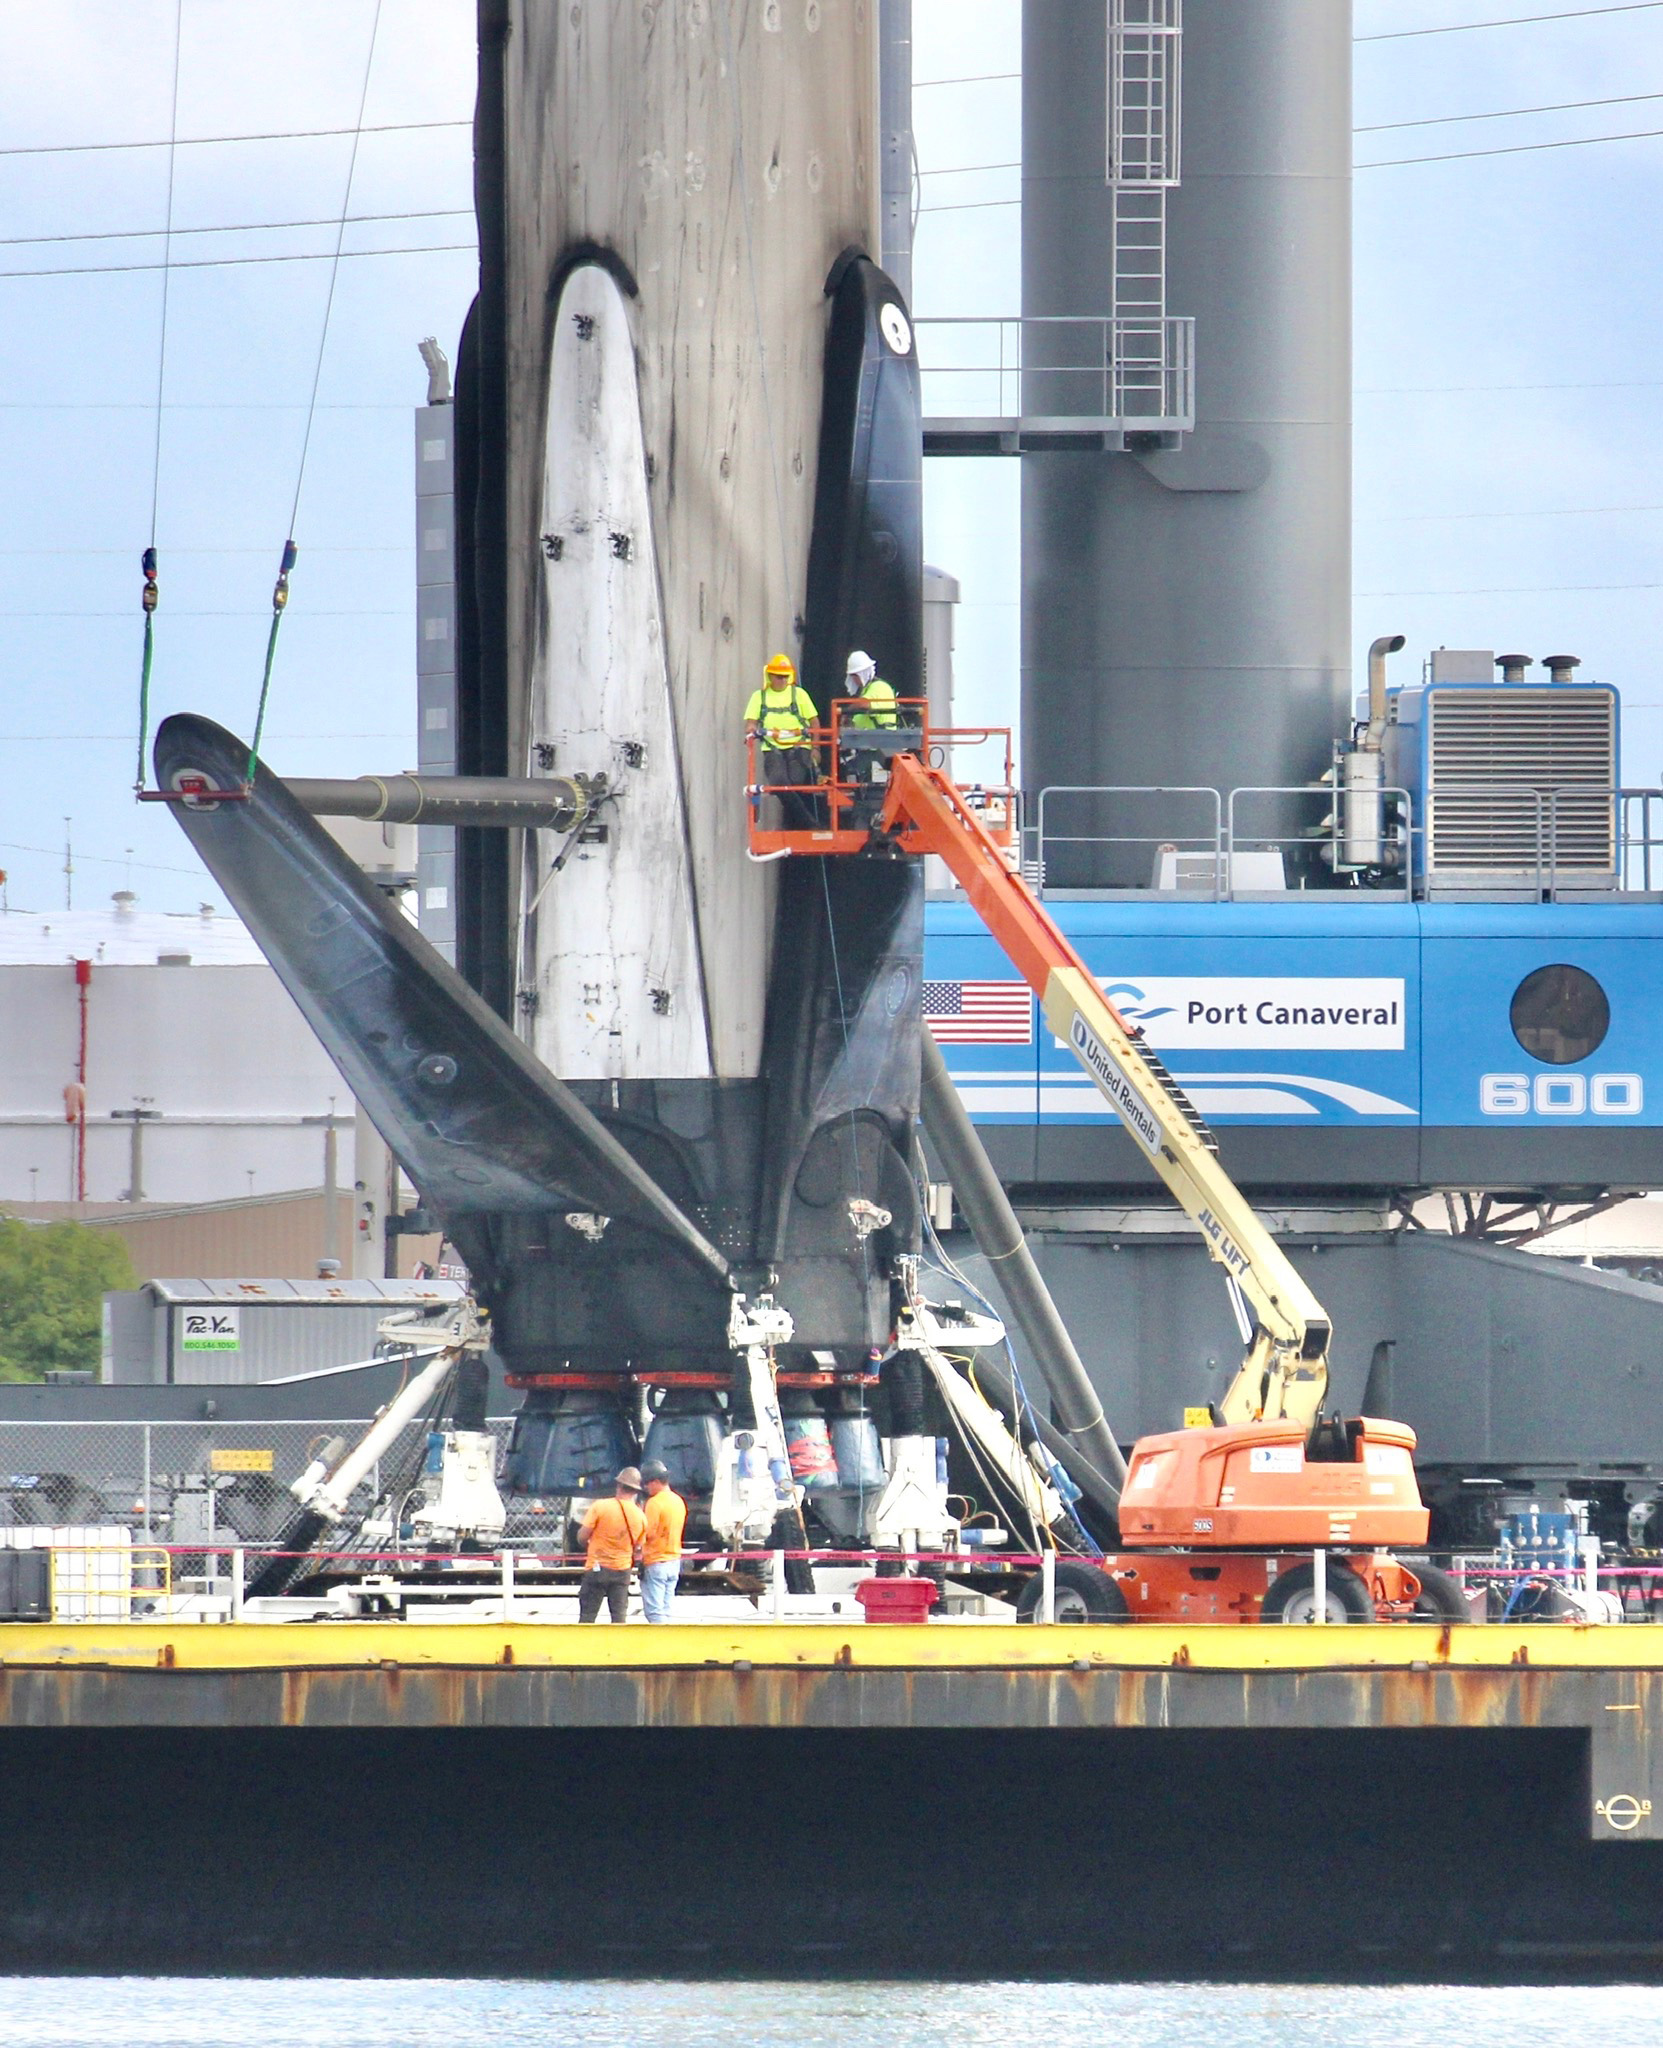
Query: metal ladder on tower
{"type": "Point", "coordinates": [1150, 368]}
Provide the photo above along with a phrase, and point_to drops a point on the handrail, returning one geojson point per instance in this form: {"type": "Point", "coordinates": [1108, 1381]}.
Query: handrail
{"type": "Point", "coordinates": [1335, 822]}
{"type": "Point", "coordinates": [156, 1558]}
{"type": "Point", "coordinates": [1142, 366]}
{"type": "Point", "coordinates": [846, 801]}
{"type": "Point", "coordinates": [1636, 828]}
{"type": "Point", "coordinates": [1157, 839]}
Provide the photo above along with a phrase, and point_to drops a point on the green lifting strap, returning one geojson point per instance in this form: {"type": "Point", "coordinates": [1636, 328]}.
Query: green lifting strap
{"type": "Point", "coordinates": [279, 603]}
{"type": "Point", "coordinates": [150, 600]}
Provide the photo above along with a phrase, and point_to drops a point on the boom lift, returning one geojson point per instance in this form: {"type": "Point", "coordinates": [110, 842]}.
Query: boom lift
{"type": "Point", "coordinates": [1268, 1474]}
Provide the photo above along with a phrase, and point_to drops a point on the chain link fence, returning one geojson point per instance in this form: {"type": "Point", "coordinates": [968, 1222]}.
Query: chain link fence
{"type": "Point", "coordinates": [192, 1482]}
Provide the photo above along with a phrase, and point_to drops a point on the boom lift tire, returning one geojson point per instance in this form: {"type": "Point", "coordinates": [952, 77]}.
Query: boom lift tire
{"type": "Point", "coordinates": [1083, 1593]}
{"type": "Point", "coordinates": [1292, 1595]}
{"type": "Point", "coordinates": [1441, 1598]}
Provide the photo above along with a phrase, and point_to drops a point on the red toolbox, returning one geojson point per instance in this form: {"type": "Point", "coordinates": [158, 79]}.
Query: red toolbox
{"type": "Point", "coordinates": [897, 1599]}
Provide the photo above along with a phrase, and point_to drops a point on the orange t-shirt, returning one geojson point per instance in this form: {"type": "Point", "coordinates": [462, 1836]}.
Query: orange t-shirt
{"type": "Point", "coordinates": [613, 1529]}
{"type": "Point", "coordinates": [666, 1518]}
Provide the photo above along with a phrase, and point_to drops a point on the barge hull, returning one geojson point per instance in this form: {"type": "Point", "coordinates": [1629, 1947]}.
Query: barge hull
{"type": "Point", "coordinates": [1602, 1687]}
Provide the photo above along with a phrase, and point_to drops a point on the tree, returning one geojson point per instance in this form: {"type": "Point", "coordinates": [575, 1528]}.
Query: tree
{"type": "Point", "coordinates": [52, 1282]}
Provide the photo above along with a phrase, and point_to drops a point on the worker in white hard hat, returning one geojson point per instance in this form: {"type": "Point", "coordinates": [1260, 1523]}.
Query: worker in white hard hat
{"type": "Point", "coordinates": [873, 712]}
{"type": "Point", "coordinates": [861, 679]}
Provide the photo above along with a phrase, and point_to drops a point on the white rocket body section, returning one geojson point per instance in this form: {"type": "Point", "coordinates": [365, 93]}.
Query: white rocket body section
{"type": "Point", "coordinates": [724, 151]}
{"type": "Point", "coordinates": [610, 945]}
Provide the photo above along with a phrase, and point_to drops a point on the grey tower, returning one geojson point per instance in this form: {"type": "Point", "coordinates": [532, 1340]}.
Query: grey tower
{"type": "Point", "coordinates": [1186, 611]}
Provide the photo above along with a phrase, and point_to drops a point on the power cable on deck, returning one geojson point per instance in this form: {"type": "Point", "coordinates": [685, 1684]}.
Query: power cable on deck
{"type": "Point", "coordinates": [843, 1020]}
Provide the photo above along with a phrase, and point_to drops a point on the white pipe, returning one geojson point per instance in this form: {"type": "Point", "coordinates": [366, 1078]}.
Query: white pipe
{"type": "Point", "coordinates": [330, 1497]}
{"type": "Point", "coordinates": [1388, 643]}
{"type": "Point", "coordinates": [1319, 1586]}
{"type": "Point", "coordinates": [1048, 1586]}
{"type": "Point", "coordinates": [1028, 1472]}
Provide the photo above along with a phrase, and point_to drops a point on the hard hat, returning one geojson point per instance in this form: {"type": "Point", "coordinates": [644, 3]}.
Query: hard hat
{"type": "Point", "coordinates": [655, 1468]}
{"type": "Point", "coordinates": [783, 666]}
{"type": "Point", "coordinates": [630, 1476]}
{"type": "Point", "coordinates": [861, 664]}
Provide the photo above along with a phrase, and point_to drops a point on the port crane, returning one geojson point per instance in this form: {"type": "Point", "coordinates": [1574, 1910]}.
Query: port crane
{"type": "Point", "coordinates": [1268, 1486]}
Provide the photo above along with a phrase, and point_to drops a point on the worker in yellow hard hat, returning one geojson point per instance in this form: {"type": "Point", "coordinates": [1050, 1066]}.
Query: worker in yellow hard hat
{"type": "Point", "coordinates": [781, 718]}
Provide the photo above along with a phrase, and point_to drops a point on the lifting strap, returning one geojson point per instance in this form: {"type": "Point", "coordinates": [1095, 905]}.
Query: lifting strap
{"type": "Point", "coordinates": [280, 590]}
{"type": "Point", "coordinates": [151, 597]}
{"type": "Point", "coordinates": [150, 600]}
{"type": "Point", "coordinates": [279, 604]}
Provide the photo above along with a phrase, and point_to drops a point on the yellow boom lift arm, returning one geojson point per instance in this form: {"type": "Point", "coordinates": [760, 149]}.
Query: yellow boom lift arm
{"type": "Point", "coordinates": [1285, 1372]}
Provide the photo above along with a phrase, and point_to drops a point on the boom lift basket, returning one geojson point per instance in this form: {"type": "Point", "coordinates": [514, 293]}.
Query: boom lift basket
{"type": "Point", "coordinates": [852, 770]}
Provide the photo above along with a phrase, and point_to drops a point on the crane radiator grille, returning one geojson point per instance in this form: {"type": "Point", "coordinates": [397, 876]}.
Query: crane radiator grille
{"type": "Point", "coordinates": [1521, 780]}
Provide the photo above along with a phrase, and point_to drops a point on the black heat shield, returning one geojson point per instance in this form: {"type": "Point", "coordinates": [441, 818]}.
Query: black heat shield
{"type": "Point", "coordinates": [479, 1125]}
{"type": "Point", "coordinates": [866, 557]}
{"type": "Point", "coordinates": [841, 1051]}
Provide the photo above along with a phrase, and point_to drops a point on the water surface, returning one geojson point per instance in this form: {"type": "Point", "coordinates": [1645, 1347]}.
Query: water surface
{"type": "Point", "coordinates": [179, 2012]}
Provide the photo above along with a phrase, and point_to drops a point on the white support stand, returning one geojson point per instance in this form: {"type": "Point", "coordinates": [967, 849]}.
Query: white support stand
{"type": "Point", "coordinates": [753, 1467]}
{"type": "Point", "coordinates": [777, 1602]}
{"type": "Point", "coordinates": [1319, 1588]}
{"type": "Point", "coordinates": [239, 1580]}
{"type": "Point", "coordinates": [1048, 1586]}
{"type": "Point", "coordinates": [507, 1583]}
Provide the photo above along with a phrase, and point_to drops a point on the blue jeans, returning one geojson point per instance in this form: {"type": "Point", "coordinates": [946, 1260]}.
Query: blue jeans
{"type": "Point", "coordinates": [658, 1587]}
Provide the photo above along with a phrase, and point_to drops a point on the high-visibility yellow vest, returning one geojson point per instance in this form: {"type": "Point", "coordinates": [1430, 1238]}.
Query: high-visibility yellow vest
{"type": "Point", "coordinates": [784, 715]}
{"type": "Point", "coordinates": [880, 717]}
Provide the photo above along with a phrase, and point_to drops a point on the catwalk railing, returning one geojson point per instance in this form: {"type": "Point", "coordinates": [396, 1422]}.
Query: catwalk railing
{"type": "Point", "coordinates": [1057, 375]}
{"type": "Point", "coordinates": [1576, 840]}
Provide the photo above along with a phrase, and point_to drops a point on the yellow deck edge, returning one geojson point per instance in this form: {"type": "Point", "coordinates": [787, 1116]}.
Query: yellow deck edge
{"type": "Point", "coordinates": [998, 1647]}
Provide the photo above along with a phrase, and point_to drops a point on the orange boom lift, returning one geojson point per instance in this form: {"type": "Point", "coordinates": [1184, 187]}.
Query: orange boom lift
{"type": "Point", "coordinates": [1296, 1513]}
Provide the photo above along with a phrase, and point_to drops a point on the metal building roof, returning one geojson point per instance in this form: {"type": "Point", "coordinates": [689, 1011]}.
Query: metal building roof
{"type": "Point", "coordinates": [123, 936]}
{"type": "Point", "coordinates": [311, 1293]}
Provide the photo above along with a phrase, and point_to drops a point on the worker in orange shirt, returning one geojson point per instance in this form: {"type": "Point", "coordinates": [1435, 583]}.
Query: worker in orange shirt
{"type": "Point", "coordinates": [666, 1518]}
{"type": "Point", "coordinates": [613, 1532]}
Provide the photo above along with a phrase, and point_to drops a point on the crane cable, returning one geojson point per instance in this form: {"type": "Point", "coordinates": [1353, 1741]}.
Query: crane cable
{"type": "Point", "coordinates": [151, 596]}
{"type": "Point", "coordinates": [280, 589]}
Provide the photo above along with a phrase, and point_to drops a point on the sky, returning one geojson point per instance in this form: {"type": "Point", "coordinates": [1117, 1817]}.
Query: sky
{"type": "Point", "coordinates": [1508, 380]}
{"type": "Point", "coordinates": [79, 362]}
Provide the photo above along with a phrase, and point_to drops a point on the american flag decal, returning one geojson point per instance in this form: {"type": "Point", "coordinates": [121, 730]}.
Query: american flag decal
{"type": "Point", "coordinates": [979, 1012]}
